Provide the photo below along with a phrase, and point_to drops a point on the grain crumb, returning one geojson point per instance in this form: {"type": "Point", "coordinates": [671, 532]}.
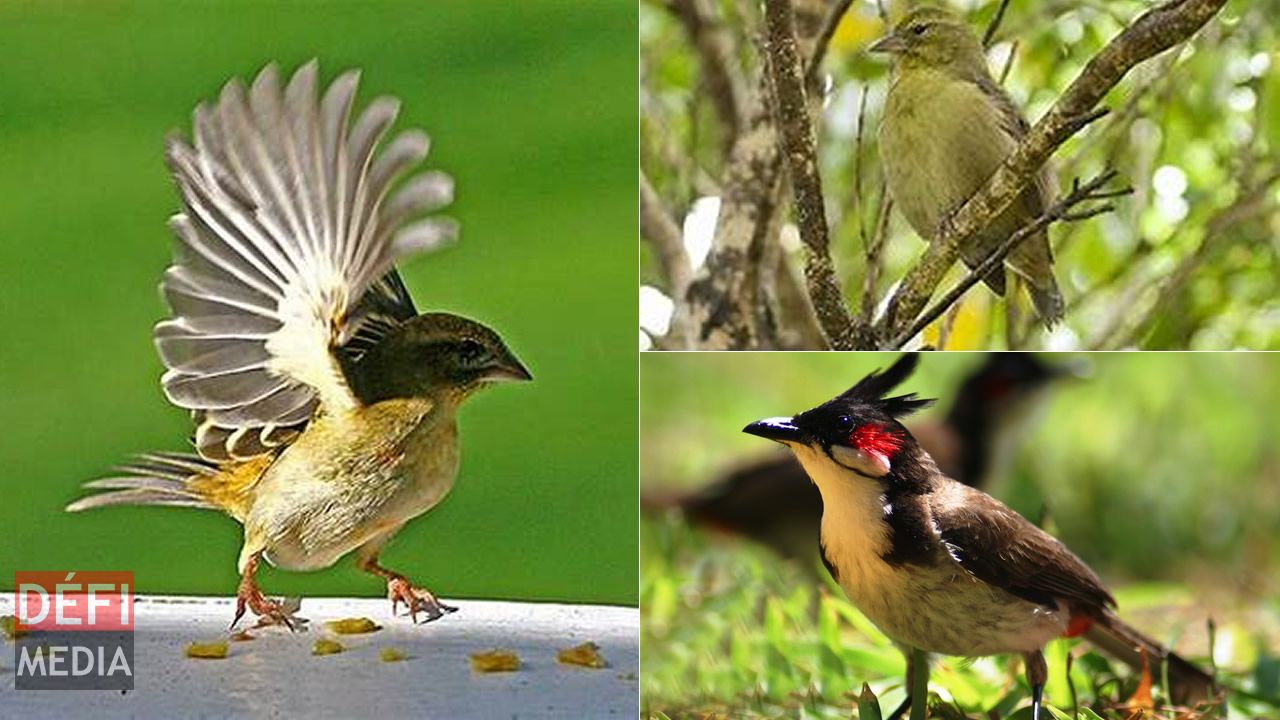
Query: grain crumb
{"type": "Point", "coordinates": [495, 661]}
{"type": "Point", "coordinates": [327, 646]}
{"type": "Point", "coordinates": [353, 626]}
{"type": "Point", "coordinates": [585, 655]}
{"type": "Point", "coordinates": [216, 650]}
{"type": "Point", "coordinates": [392, 655]}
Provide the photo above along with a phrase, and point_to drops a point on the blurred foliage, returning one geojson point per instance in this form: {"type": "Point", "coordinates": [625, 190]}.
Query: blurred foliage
{"type": "Point", "coordinates": [1204, 119]}
{"type": "Point", "coordinates": [545, 175]}
{"type": "Point", "coordinates": [1161, 470]}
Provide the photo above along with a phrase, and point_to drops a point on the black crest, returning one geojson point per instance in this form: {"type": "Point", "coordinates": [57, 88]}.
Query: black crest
{"type": "Point", "coordinates": [871, 390]}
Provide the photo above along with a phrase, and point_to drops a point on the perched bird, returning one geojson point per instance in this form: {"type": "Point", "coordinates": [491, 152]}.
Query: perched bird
{"type": "Point", "coordinates": [947, 126]}
{"type": "Point", "coordinates": [770, 500]}
{"type": "Point", "coordinates": [325, 405]}
{"type": "Point", "coordinates": [942, 567]}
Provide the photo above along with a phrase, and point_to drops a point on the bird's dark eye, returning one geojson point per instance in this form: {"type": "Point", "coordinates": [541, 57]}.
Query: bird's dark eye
{"type": "Point", "coordinates": [470, 351]}
{"type": "Point", "coordinates": [845, 423]}
{"type": "Point", "coordinates": [919, 29]}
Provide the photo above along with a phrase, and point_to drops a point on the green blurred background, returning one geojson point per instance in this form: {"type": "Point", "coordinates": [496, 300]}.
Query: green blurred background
{"type": "Point", "coordinates": [531, 108]}
{"type": "Point", "coordinates": [1154, 465]}
{"type": "Point", "coordinates": [1161, 470]}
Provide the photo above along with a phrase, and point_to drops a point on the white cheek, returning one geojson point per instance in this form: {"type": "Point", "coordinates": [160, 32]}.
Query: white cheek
{"type": "Point", "coordinates": [870, 464]}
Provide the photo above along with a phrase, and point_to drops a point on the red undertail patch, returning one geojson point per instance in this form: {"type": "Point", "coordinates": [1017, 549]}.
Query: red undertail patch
{"type": "Point", "coordinates": [1078, 626]}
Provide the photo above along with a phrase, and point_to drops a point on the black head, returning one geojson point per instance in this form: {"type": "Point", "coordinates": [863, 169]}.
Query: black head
{"type": "Point", "coordinates": [860, 427]}
{"type": "Point", "coordinates": [436, 353]}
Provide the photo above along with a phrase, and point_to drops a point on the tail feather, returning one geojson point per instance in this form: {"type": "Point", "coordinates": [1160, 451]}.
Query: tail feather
{"type": "Point", "coordinates": [1048, 303]}
{"type": "Point", "coordinates": [1188, 684]}
{"type": "Point", "coordinates": [153, 479]}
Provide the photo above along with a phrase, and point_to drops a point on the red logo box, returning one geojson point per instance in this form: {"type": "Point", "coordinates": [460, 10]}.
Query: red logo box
{"type": "Point", "coordinates": [74, 601]}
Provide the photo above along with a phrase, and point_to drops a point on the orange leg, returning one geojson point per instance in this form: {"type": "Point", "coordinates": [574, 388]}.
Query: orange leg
{"type": "Point", "coordinates": [269, 612]}
{"type": "Point", "coordinates": [399, 590]}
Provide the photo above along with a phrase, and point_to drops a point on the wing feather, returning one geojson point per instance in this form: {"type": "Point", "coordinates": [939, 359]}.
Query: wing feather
{"type": "Point", "coordinates": [1002, 548]}
{"type": "Point", "coordinates": [285, 253]}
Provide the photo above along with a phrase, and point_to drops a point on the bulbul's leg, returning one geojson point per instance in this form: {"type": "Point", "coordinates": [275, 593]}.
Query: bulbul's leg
{"type": "Point", "coordinates": [269, 612]}
{"type": "Point", "coordinates": [399, 589]}
{"type": "Point", "coordinates": [1037, 674]}
{"type": "Point", "coordinates": [917, 670]}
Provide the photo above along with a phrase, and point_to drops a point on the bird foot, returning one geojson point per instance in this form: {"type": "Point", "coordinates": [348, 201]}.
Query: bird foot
{"type": "Point", "coordinates": [269, 612]}
{"type": "Point", "coordinates": [400, 590]}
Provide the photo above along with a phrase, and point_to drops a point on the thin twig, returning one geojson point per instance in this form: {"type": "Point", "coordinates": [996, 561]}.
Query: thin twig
{"type": "Point", "coordinates": [1252, 200]}
{"type": "Point", "coordinates": [875, 259]}
{"type": "Point", "coordinates": [1152, 33]}
{"type": "Point", "coordinates": [660, 229]}
{"type": "Point", "coordinates": [884, 14]}
{"type": "Point", "coordinates": [994, 25]}
{"type": "Point", "coordinates": [799, 148]}
{"type": "Point", "coordinates": [829, 25]}
{"type": "Point", "coordinates": [718, 64]}
{"type": "Point", "coordinates": [1008, 62]}
{"type": "Point", "coordinates": [1060, 210]}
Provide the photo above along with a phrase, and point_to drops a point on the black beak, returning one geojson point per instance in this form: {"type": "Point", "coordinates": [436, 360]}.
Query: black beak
{"type": "Point", "coordinates": [779, 429]}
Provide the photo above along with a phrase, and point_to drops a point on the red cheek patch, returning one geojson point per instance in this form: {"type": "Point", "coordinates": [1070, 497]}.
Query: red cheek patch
{"type": "Point", "coordinates": [876, 440]}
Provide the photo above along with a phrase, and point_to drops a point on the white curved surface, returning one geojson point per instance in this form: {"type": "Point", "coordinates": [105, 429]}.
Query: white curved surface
{"type": "Point", "coordinates": [275, 675]}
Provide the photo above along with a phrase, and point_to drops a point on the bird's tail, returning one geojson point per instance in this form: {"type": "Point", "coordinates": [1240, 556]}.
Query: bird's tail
{"type": "Point", "coordinates": [153, 479]}
{"type": "Point", "coordinates": [1188, 684]}
{"type": "Point", "coordinates": [1047, 300]}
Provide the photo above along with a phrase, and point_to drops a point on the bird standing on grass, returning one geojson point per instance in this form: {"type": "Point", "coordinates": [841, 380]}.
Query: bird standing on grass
{"type": "Point", "coordinates": [947, 126]}
{"type": "Point", "coordinates": [324, 404]}
{"type": "Point", "coordinates": [942, 567]}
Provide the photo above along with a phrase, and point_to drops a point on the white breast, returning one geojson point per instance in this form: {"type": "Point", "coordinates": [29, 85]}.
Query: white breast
{"type": "Point", "coordinates": [937, 607]}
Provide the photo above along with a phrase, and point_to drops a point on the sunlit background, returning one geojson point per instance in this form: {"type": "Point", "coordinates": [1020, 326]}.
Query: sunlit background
{"type": "Point", "coordinates": [527, 109]}
{"type": "Point", "coordinates": [1184, 262]}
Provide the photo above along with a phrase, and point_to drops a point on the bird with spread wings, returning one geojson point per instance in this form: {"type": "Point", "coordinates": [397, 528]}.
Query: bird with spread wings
{"type": "Point", "coordinates": [324, 403]}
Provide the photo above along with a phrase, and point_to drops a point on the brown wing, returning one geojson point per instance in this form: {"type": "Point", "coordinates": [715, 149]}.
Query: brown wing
{"type": "Point", "coordinates": [1016, 126]}
{"type": "Point", "coordinates": [1000, 547]}
{"type": "Point", "coordinates": [292, 218]}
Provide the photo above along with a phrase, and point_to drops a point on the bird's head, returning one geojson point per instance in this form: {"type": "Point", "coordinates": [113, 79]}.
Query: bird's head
{"type": "Point", "coordinates": [858, 430]}
{"type": "Point", "coordinates": [434, 355]}
{"type": "Point", "coordinates": [933, 38]}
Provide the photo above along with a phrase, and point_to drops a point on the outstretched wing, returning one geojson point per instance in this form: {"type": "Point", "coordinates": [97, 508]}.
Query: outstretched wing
{"type": "Point", "coordinates": [285, 254]}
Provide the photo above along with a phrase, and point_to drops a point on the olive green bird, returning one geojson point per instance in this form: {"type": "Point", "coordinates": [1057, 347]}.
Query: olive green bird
{"type": "Point", "coordinates": [325, 406]}
{"type": "Point", "coordinates": [947, 126]}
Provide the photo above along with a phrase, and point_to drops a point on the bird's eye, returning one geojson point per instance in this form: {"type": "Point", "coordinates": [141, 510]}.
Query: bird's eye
{"type": "Point", "coordinates": [919, 29]}
{"type": "Point", "coordinates": [845, 423]}
{"type": "Point", "coordinates": [470, 351]}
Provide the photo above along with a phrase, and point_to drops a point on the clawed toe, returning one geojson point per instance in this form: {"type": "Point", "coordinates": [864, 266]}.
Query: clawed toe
{"type": "Point", "coordinates": [416, 600]}
{"type": "Point", "coordinates": [269, 612]}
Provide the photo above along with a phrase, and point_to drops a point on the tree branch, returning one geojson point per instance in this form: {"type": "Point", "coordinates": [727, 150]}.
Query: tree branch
{"type": "Point", "coordinates": [1060, 210]}
{"type": "Point", "coordinates": [990, 34]}
{"type": "Point", "coordinates": [662, 232]}
{"type": "Point", "coordinates": [1152, 33]}
{"type": "Point", "coordinates": [798, 142]}
{"type": "Point", "coordinates": [719, 65]}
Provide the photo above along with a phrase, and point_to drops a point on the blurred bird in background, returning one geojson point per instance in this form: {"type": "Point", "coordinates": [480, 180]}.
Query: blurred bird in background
{"type": "Point", "coordinates": [324, 403]}
{"type": "Point", "coordinates": [770, 500]}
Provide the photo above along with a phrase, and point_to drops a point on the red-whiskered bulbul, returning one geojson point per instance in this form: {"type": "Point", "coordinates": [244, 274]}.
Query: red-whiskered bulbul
{"type": "Point", "coordinates": [770, 500]}
{"type": "Point", "coordinates": [942, 567]}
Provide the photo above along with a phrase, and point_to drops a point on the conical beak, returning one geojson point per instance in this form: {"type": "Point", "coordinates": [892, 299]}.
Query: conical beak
{"type": "Point", "coordinates": [779, 429]}
{"type": "Point", "coordinates": [509, 370]}
{"type": "Point", "coordinates": [889, 44]}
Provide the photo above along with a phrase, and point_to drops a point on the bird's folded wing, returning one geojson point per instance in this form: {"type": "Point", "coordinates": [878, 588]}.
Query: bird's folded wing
{"type": "Point", "coordinates": [285, 254]}
{"type": "Point", "coordinates": [1004, 549]}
